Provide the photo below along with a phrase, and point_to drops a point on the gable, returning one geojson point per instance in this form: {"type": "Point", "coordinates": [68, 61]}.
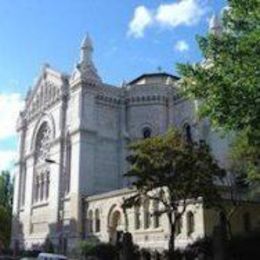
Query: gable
{"type": "Point", "coordinates": [49, 88]}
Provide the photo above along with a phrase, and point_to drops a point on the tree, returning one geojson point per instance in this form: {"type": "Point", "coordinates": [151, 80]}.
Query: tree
{"type": "Point", "coordinates": [6, 190]}
{"type": "Point", "coordinates": [228, 81]}
{"type": "Point", "coordinates": [172, 171]}
{"type": "Point", "coordinates": [6, 194]}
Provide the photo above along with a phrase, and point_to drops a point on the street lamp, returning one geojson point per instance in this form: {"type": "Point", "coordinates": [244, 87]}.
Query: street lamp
{"type": "Point", "coordinates": [60, 204]}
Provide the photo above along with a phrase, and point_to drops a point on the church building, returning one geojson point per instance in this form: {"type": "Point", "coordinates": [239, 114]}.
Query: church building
{"type": "Point", "coordinates": [73, 137]}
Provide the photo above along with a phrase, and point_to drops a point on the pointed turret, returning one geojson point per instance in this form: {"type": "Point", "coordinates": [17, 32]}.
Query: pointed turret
{"type": "Point", "coordinates": [85, 69]}
{"type": "Point", "coordinates": [215, 26]}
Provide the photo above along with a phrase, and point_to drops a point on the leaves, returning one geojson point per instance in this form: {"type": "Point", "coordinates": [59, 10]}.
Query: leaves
{"type": "Point", "coordinates": [228, 80]}
{"type": "Point", "coordinates": [169, 163]}
{"type": "Point", "coordinates": [6, 192]}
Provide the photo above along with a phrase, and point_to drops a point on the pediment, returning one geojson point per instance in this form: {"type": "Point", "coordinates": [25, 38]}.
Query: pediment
{"type": "Point", "coordinates": [48, 89]}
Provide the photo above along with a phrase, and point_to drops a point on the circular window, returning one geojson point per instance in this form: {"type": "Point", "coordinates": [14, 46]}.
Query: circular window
{"type": "Point", "coordinates": [147, 132]}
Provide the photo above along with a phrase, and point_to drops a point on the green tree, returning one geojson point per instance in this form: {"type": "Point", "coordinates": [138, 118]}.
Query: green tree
{"type": "Point", "coordinates": [6, 190]}
{"type": "Point", "coordinates": [6, 195]}
{"type": "Point", "coordinates": [228, 81]}
{"type": "Point", "coordinates": [5, 226]}
{"type": "Point", "coordinates": [171, 171]}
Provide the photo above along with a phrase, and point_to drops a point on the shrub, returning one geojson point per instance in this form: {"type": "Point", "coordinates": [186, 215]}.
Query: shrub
{"type": "Point", "coordinates": [86, 246]}
{"type": "Point", "coordinates": [103, 251]}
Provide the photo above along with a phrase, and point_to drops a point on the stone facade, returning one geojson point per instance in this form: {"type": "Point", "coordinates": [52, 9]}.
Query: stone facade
{"type": "Point", "coordinates": [82, 127]}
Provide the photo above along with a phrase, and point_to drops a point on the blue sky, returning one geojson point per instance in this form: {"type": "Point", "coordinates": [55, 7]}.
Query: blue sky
{"type": "Point", "coordinates": [130, 38]}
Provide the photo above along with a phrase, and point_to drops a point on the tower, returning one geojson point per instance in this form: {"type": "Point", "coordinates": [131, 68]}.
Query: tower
{"type": "Point", "coordinates": [85, 70]}
{"type": "Point", "coordinates": [215, 26]}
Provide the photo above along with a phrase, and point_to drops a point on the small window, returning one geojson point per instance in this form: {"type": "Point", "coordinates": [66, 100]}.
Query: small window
{"type": "Point", "coordinates": [190, 223]}
{"type": "Point", "coordinates": [147, 132]}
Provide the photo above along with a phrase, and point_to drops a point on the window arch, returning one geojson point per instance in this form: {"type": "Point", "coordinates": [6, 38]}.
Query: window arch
{"type": "Point", "coordinates": [97, 221]}
{"type": "Point", "coordinates": [190, 223]}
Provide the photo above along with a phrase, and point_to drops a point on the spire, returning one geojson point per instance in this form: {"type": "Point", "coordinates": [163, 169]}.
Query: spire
{"type": "Point", "coordinates": [85, 69]}
{"type": "Point", "coordinates": [215, 26]}
{"type": "Point", "coordinates": [86, 49]}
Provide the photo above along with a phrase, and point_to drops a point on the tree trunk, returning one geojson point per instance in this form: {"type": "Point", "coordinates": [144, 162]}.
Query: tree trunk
{"type": "Point", "coordinates": [171, 245]}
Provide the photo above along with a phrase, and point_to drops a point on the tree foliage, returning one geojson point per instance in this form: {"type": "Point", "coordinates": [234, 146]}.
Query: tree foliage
{"type": "Point", "coordinates": [6, 192]}
{"type": "Point", "coordinates": [228, 82]}
{"type": "Point", "coordinates": [171, 171]}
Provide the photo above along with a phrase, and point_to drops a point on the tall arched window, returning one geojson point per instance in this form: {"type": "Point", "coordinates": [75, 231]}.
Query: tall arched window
{"type": "Point", "coordinates": [147, 219]}
{"type": "Point", "coordinates": [97, 221]}
{"type": "Point", "coordinates": [137, 217]}
{"type": "Point", "coordinates": [90, 221]}
{"type": "Point", "coordinates": [178, 226]}
{"type": "Point", "coordinates": [42, 151]}
{"type": "Point", "coordinates": [156, 215]}
{"type": "Point", "coordinates": [190, 223]}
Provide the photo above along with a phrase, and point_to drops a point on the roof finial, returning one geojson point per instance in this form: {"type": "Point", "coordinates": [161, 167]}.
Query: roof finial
{"type": "Point", "coordinates": [85, 68]}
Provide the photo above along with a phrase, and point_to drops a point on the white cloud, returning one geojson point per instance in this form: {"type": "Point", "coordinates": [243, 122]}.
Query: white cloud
{"type": "Point", "coordinates": [181, 46]}
{"type": "Point", "coordinates": [141, 20]}
{"type": "Point", "coordinates": [7, 159]}
{"type": "Point", "coordinates": [10, 105]}
{"type": "Point", "coordinates": [185, 12]}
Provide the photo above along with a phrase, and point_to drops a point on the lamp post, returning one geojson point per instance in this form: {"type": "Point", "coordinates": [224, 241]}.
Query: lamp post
{"type": "Point", "coordinates": [60, 203]}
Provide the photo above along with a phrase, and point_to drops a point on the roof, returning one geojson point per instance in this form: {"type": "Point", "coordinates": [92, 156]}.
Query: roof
{"type": "Point", "coordinates": [156, 74]}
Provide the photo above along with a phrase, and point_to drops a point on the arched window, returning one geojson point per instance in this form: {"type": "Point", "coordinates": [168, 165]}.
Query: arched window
{"type": "Point", "coordinates": [156, 215]}
{"type": "Point", "coordinates": [178, 226]}
{"type": "Point", "coordinates": [247, 222]}
{"type": "Point", "coordinates": [190, 223]}
{"type": "Point", "coordinates": [187, 133]}
{"type": "Point", "coordinates": [147, 219]}
{"type": "Point", "coordinates": [97, 221]}
{"type": "Point", "coordinates": [137, 217]}
{"type": "Point", "coordinates": [42, 151]}
{"type": "Point", "coordinates": [147, 132]}
{"type": "Point", "coordinates": [90, 221]}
